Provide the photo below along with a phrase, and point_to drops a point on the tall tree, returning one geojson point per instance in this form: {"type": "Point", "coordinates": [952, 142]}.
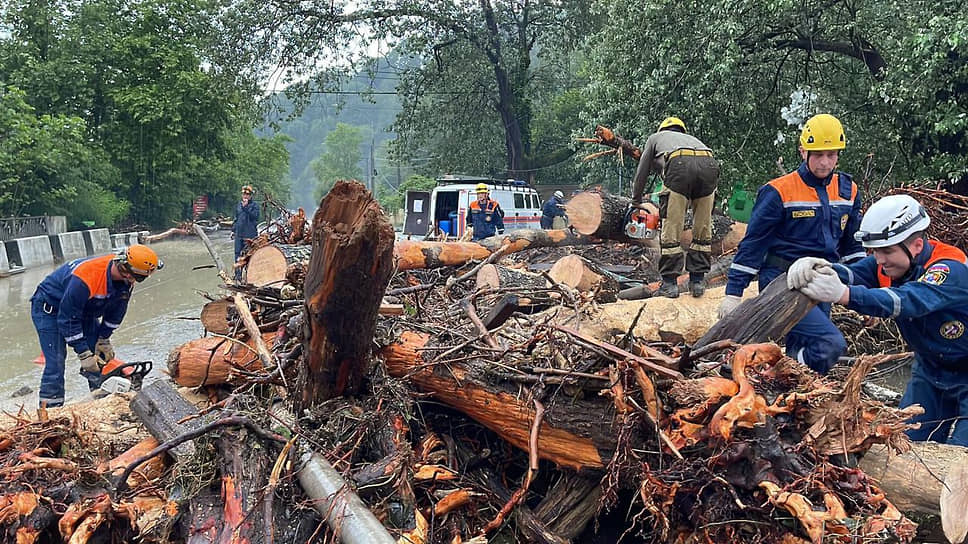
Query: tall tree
{"type": "Point", "coordinates": [480, 64]}
{"type": "Point", "coordinates": [340, 159]}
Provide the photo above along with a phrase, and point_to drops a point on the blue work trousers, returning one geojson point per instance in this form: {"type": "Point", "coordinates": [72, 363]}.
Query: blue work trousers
{"type": "Point", "coordinates": [814, 341]}
{"type": "Point", "coordinates": [54, 348]}
{"type": "Point", "coordinates": [944, 396]}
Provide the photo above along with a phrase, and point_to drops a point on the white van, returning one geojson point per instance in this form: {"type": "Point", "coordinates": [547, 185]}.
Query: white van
{"type": "Point", "coordinates": [444, 210]}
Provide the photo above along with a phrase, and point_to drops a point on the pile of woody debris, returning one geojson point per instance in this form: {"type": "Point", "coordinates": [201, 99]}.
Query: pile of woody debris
{"type": "Point", "coordinates": [457, 411]}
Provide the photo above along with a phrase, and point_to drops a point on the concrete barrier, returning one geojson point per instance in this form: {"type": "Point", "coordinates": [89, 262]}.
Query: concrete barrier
{"type": "Point", "coordinates": [56, 224]}
{"type": "Point", "coordinates": [4, 263]}
{"type": "Point", "coordinates": [68, 246]}
{"type": "Point", "coordinates": [31, 251]}
{"type": "Point", "coordinates": [97, 241]}
{"type": "Point", "coordinates": [118, 241]}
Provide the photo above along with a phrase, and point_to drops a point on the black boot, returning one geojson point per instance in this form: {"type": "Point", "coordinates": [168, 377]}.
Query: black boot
{"type": "Point", "coordinates": [668, 289]}
{"type": "Point", "coordinates": [697, 285]}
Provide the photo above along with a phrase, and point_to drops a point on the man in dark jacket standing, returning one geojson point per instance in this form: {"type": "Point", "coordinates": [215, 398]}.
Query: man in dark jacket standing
{"type": "Point", "coordinates": [246, 219]}
{"type": "Point", "coordinates": [552, 208]}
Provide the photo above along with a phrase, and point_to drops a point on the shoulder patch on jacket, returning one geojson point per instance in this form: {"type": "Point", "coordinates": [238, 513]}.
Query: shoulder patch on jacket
{"type": "Point", "coordinates": [952, 329]}
{"type": "Point", "coordinates": [936, 274]}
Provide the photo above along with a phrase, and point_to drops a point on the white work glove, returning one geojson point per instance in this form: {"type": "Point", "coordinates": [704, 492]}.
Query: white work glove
{"type": "Point", "coordinates": [729, 303]}
{"type": "Point", "coordinates": [90, 362]}
{"type": "Point", "coordinates": [825, 286]}
{"type": "Point", "coordinates": [103, 349]}
{"type": "Point", "coordinates": [804, 270]}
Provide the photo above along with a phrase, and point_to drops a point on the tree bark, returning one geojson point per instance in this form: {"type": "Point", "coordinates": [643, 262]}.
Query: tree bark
{"type": "Point", "coordinates": [348, 273]}
{"type": "Point", "coordinates": [914, 480]}
{"type": "Point", "coordinates": [494, 277]}
{"type": "Point", "coordinates": [162, 410]}
{"type": "Point", "coordinates": [766, 318]}
{"type": "Point", "coordinates": [573, 434]}
{"type": "Point", "coordinates": [410, 255]}
{"type": "Point", "coordinates": [213, 360]}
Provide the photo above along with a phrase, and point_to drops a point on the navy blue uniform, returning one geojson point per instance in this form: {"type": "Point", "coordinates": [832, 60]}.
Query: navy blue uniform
{"type": "Point", "coordinates": [486, 220]}
{"type": "Point", "coordinates": [246, 219]}
{"type": "Point", "coordinates": [800, 215]}
{"type": "Point", "coordinates": [75, 305]}
{"type": "Point", "coordinates": [551, 209]}
{"type": "Point", "coordinates": [930, 306]}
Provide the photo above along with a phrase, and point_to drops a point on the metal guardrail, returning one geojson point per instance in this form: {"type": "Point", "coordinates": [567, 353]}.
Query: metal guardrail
{"type": "Point", "coordinates": [12, 228]}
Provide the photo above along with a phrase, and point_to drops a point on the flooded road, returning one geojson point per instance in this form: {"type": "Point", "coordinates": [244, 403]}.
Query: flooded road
{"type": "Point", "coordinates": [163, 314]}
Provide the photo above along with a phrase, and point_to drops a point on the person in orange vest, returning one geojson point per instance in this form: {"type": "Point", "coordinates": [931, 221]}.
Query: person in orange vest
{"type": "Point", "coordinates": [922, 284]}
{"type": "Point", "coordinates": [690, 175]}
{"type": "Point", "coordinates": [813, 211]}
{"type": "Point", "coordinates": [80, 304]}
{"type": "Point", "coordinates": [485, 216]}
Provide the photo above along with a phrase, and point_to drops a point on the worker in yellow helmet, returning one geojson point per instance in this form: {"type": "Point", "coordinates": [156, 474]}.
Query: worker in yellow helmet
{"type": "Point", "coordinates": [813, 211]}
{"type": "Point", "coordinates": [80, 304]}
{"type": "Point", "coordinates": [690, 175]}
{"type": "Point", "coordinates": [485, 215]}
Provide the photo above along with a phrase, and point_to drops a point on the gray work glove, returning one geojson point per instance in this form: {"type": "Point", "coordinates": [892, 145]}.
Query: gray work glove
{"type": "Point", "coordinates": [729, 303]}
{"type": "Point", "coordinates": [90, 362]}
{"type": "Point", "coordinates": [825, 286]}
{"type": "Point", "coordinates": [803, 270]}
{"type": "Point", "coordinates": [104, 350]}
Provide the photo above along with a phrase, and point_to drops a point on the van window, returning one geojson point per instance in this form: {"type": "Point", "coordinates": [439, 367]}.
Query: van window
{"type": "Point", "coordinates": [519, 201]}
{"type": "Point", "coordinates": [535, 201]}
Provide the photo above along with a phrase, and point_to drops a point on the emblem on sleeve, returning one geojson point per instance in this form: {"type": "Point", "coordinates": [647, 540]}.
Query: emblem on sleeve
{"type": "Point", "coordinates": [936, 274]}
{"type": "Point", "coordinates": [843, 222]}
{"type": "Point", "coordinates": [952, 329]}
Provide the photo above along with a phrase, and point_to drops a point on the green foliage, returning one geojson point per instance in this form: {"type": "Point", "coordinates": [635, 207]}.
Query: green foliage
{"type": "Point", "coordinates": [340, 158]}
{"type": "Point", "coordinates": [744, 75]}
{"type": "Point", "coordinates": [167, 121]}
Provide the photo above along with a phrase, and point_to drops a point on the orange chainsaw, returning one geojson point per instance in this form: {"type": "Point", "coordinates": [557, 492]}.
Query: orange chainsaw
{"type": "Point", "coordinates": [118, 376]}
{"type": "Point", "coordinates": [640, 224]}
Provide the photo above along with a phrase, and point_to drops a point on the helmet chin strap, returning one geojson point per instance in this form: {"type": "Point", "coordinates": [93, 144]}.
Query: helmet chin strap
{"type": "Point", "coordinates": [909, 255]}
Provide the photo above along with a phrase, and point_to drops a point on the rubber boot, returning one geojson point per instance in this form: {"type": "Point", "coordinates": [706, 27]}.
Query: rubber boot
{"type": "Point", "coordinates": [697, 286]}
{"type": "Point", "coordinates": [668, 289]}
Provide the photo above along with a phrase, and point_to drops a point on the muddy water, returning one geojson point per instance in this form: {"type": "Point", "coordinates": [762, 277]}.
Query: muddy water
{"type": "Point", "coordinates": [163, 314]}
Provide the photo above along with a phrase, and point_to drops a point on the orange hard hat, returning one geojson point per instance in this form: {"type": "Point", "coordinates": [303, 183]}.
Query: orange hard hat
{"type": "Point", "coordinates": [140, 261]}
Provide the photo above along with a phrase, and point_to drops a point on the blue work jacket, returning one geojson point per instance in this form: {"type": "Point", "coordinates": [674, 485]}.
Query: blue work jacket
{"type": "Point", "coordinates": [929, 304]}
{"type": "Point", "coordinates": [798, 215]}
{"type": "Point", "coordinates": [246, 219]}
{"type": "Point", "coordinates": [82, 290]}
{"type": "Point", "coordinates": [486, 220]}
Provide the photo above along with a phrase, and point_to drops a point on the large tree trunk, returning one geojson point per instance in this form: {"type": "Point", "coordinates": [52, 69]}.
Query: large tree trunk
{"type": "Point", "coordinates": [268, 264]}
{"type": "Point", "coordinates": [601, 215]}
{"type": "Point", "coordinates": [410, 254]}
{"type": "Point", "coordinates": [348, 273]}
{"type": "Point", "coordinates": [574, 433]}
{"type": "Point", "coordinates": [914, 480]}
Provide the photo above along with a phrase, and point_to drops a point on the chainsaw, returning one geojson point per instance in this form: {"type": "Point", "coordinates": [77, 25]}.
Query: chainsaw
{"type": "Point", "coordinates": [120, 377]}
{"type": "Point", "coordinates": [640, 224]}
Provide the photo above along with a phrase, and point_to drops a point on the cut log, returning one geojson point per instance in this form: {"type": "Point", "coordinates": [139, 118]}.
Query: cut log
{"type": "Point", "coordinates": [218, 315]}
{"type": "Point", "coordinates": [174, 231]}
{"type": "Point", "coordinates": [573, 432]}
{"type": "Point", "coordinates": [161, 410]}
{"type": "Point", "coordinates": [268, 264]}
{"type": "Point", "coordinates": [573, 271]}
{"type": "Point", "coordinates": [348, 272]}
{"type": "Point", "coordinates": [600, 215]}
{"type": "Point", "coordinates": [495, 277]}
{"type": "Point", "coordinates": [913, 481]}
{"type": "Point", "coordinates": [766, 318]}
{"type": "Point", "coordinates": [410, 254]}
{"type": "Point", "coordinates": [214, 360]}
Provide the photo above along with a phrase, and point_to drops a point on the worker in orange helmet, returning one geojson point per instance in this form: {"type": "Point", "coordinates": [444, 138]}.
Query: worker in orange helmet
{"type": "Point", "coordinates": [80, 305]}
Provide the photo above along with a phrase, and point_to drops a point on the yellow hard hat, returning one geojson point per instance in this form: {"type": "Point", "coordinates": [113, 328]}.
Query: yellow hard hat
{"type": "Point", "coordinates": [140, 261]}
{"type": "Point", "coordinates": [672, 122]}
{"type": "Point", "coordinates": [822, 132]}
{"type": "Point", "coordinates": [481, 188]}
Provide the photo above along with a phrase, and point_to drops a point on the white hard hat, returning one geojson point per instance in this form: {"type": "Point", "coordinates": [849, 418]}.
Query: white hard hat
{"type": "Point", "coordinates": [891, 220]}
{"type": "Point", "coordinates": [559, 194]}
